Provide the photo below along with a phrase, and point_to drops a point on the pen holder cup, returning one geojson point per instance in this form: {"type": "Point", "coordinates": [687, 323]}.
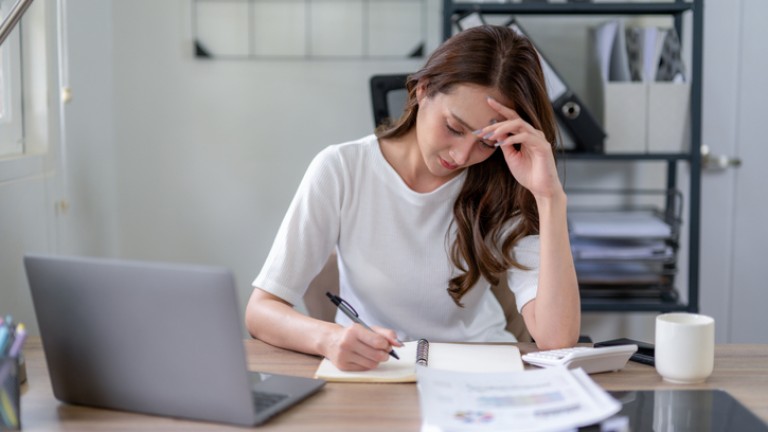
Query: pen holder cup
{"type": "Point", "coordinates": [10, 392]}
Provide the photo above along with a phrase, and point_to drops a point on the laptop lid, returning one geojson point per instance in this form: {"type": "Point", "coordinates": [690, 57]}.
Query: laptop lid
{"type": "Point", "coordinates": [154, 338]}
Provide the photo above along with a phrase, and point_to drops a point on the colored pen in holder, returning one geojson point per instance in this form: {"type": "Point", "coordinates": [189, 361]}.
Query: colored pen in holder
{"type": "Point", "coordinates": [10, 403]}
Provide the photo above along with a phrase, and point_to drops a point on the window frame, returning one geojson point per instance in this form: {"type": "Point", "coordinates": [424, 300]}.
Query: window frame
{"type": "Point", "coordinates": [12, 114]}
{"type": "Point", "coordinates": [40, 43]}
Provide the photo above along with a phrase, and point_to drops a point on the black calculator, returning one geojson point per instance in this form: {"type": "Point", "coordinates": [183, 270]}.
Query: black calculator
{"type": "Point", "coordinates": [645, 350]}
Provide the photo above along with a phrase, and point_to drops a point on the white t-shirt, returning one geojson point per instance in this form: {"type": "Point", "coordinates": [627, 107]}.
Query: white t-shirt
{"type": "Point", "coordinates": [393, 249]}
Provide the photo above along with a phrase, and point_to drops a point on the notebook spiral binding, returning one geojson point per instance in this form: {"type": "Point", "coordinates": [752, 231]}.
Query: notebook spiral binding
{"type": "Point", "coordinates": [422, 352]}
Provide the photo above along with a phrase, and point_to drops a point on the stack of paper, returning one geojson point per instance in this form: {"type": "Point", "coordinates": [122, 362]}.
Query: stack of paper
{"type": "Point", "coordinates": [609, 249]}
{"type": "Point", "coordinates": [552, 399]}
{"type": "Point", "coordinates": [622, 248]}
{"type": "Point", "coordinates": [640, 224]}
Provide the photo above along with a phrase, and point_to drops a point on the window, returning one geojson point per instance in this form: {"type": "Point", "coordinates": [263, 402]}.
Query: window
{"type": "Point", "coordinates": [11, 115]}
{"type": "Point", "coordinates": [309, 29]}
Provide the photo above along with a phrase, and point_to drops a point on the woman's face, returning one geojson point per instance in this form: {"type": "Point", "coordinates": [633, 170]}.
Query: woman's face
{"type": "Point", "coordinates": [444, 127]}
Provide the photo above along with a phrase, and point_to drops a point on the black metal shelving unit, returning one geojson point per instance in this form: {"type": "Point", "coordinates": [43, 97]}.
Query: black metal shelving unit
{"type": "Point", "coordinates": [676, 9]}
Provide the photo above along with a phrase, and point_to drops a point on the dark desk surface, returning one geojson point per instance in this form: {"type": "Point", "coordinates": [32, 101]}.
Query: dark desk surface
{"type": "Point", "coordinates": [741, 370]}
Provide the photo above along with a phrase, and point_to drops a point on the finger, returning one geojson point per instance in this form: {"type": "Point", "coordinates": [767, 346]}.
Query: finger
{"type": "Point", "coordinates": [373, 354]}
{"type": "Point", "coordinates": [518, 138]}
{"type": "Point", "coordinates": [371, 344]}
{"type": "Point", "coordinates": [517, 146]}
{"type": "Point", "coordinates": [512, 115]}
{"type": "Point", "coordinates": [488, 132]}
{"type": "Point", "coordinates": [498, 134]}
{"type": "Point", "coordinates": [510, 143]}
{"type": "Point", "coordinates": [355, 362]}
{"type": "Point", "coordinates": [354, 351]}
{"type": "Point", "coordinates": [514, 126]}
{"type": "Point", "coordinates": [389, 334]}
{"type": "Point", "coordinates": [502, 109]}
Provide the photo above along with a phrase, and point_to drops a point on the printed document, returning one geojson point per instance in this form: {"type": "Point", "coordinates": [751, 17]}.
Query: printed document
{"type": "Point", "coordinates": [551, 399]}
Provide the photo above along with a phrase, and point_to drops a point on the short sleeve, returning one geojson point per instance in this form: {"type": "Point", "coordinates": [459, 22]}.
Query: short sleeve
{"type": "Point", "coordinates": [525, 283]}
{"type": "Point", "coordinates": [308, 233]}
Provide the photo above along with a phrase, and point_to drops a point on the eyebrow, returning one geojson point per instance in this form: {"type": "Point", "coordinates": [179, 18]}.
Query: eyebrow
{"type": "Point", "coordinates": [466, 125]}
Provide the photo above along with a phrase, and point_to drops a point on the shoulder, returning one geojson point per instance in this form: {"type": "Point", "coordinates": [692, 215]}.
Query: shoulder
{"type": "Point", "coordinates": [340, 165]}
{"type": "Point", "coordinates": [350, 149]}
{"type": "Point", "coordinates": [349, 156]}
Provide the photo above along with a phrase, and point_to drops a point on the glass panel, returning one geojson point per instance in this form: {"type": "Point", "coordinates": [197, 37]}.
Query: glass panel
{"type": "Point", "coordinates": [279, 28]}
{"type": "Point", "coordinates": [11, 133]}
{"type": "Point", "coordinates": [395, 28]}
{"type": "Point", "coordinates": [222, 27]}
{"type": "Point", "coordinates": [336, 28]}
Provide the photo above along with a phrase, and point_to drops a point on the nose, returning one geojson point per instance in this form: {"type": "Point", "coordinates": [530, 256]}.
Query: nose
{"type": "Point", "coordinates": [461, 151]}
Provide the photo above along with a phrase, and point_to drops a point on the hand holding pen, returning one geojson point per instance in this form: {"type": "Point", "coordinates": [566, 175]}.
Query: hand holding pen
{"type": "Point", "coordinates": [350, 312]}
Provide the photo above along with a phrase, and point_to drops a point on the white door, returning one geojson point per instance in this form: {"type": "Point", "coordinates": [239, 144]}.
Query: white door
{"type": "Point", "coordinates": [734, 221]}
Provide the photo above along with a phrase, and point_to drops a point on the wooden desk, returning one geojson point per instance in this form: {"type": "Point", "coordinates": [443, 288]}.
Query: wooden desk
{"type": "Point", "coordinates": [742, 370]}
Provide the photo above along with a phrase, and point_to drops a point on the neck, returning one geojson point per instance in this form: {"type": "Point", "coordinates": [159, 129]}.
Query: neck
{"type": "Point", "coordinates": [405, 157]}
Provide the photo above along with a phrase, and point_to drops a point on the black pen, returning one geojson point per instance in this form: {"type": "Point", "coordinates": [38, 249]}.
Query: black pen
{"type": "Point", "coordinates": [350, 312]}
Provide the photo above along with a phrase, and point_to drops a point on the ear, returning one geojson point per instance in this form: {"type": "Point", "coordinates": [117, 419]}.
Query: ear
{"type": "Point", "coordinates": [421, 90]}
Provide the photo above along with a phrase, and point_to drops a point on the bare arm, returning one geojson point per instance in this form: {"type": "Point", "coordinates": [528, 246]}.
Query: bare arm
{"type": "Point", "coordinates": [273, 320]}
{"type": "Point", "coordinates": [554, 317]}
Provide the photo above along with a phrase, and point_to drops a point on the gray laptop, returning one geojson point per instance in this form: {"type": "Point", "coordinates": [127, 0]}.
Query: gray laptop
{"type": "Point", "coordinates": [161, 339]}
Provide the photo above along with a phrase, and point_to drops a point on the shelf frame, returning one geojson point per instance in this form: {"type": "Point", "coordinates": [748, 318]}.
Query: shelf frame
{"type": "Point", "coordinates": [631, 305]}
{"type": "Point", "coordinates": [676, 9]}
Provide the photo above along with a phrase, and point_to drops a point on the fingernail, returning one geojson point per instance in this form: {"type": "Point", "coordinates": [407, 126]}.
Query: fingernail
{"type": "Point", "coordinates": [477, 132]}
{"type": "Point", "coordinates": [488, 135]}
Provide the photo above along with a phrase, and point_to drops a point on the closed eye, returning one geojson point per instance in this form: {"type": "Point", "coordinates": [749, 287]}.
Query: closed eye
{"type": "Point", "coordinates": [454, 131]}
{"type": "Point", "coordinates": [484, 144]}
{"type": "Point", "coordinates": [487, 145]}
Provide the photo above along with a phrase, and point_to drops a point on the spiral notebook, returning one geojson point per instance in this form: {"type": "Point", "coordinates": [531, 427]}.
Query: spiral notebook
{"type": "Point", "coordinates": [462, 357]}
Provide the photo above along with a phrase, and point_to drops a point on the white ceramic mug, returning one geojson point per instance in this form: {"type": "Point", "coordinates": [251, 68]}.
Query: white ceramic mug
{"type": "Point", "coordinates": [685, 347]}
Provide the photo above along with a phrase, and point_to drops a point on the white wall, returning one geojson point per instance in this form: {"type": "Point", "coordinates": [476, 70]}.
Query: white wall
{"type": "Point", "coordinates": [173, 158]}
{"type": "Point", "coordinates": [87, 181]}
{"type": "Point", "coordinates": [23, 227]}
{"type": "Point", "coordinates": [27, 184]}
{"type": "Point", "coordinates": [209, 152]}
{"type": "Point", "coordinates": [734, 207]}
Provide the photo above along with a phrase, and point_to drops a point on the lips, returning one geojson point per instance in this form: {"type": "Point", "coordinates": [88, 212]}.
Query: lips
{"type": "Point", "coordinates": [447, 165]}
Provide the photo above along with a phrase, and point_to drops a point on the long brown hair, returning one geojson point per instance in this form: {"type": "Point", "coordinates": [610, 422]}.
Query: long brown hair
{"type": "Point", "coordinates": [495, 57]}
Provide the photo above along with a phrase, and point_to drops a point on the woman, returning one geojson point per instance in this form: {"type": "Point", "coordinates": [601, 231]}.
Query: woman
{"type": "Point", "coordinates": [426, 214]}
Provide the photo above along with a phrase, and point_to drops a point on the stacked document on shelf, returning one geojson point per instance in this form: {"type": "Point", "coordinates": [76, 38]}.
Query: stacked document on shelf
{"type": "Point", "coordinates": [618, 250]}
{"type": "Point", "coordinates": [621, 249]}
{"type": "Point", "coordinates": [639, 88]}
{"type": "Point", "coordinates": [551, 399]}
{"type": "Point", "coordinates": [638, 53]}
{"type": "Point", "coordinates": [624, 273]}
{"type": "Point", "coordinates": [627, 224]}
